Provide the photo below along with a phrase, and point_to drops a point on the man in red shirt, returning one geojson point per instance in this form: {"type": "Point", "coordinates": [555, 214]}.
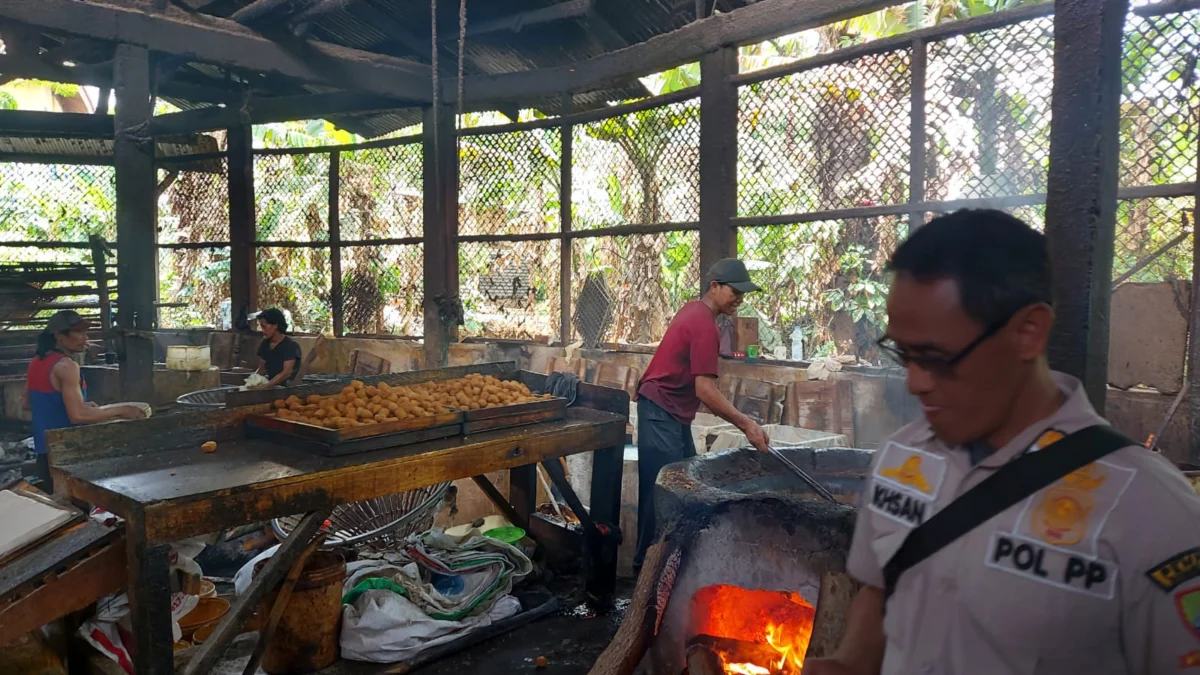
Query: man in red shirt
{"type": "Point", "coordinates": [681, 376]}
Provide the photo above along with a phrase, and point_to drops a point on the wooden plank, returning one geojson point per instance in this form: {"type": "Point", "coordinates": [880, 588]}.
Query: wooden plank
{"type": "Point", "coordinates": [248, 603]}
{"type": "Point", "coordinates": [149, 591]}
{"type": "Point", "coordinates": [522, 490]}
{"type": "Point", "coordinates": [137, 210]}
{"type": "Point", "coordinates": [757, 22]}
{"type": "Point", "coordinates": [261, 396]}
{"type": "Point", "coordinates": [498, 500]}
{"type": "Point", "coordinates": [440, 229]}
{"type": "Point", "coordinates": [426, 464]}
{"type": "Point", "coordinates": [638, 628]}
{"type": "Point", "coordinates": [822, 405]}
{"type": "Point", "coordinates": [266, 110]}
{"type": "Point", "coordinates": [37, 124]}
{"type": "Point", "coordinates": [68, 590]}
{"type": "Point", "coordinates": [226, 43]}
{"type": "Point", "coordinates": [718, 159]}
{"type": "Point", "coordinates": [72, 445]}
{"type": "Point", "coordinates": [243, 275]}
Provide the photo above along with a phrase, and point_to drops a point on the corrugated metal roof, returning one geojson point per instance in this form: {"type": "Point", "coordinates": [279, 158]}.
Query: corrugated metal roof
{"type": "Point", "coordinates": [376, 25]}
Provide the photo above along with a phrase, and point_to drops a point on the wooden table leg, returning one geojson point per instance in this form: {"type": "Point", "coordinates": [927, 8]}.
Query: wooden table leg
{"type": "Point", "coordinates": [149, 590]}
{"type": "Point", "coordinates": [247, 603]}
{"type": "Point", "coordinates": [607, 466]}
{"type": "Point", "coordinates": [522, 490]}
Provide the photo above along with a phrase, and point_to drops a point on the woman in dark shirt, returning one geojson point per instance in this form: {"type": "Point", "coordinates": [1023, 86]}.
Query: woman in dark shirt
{"type": "Point", "coordinates": [279, 355]}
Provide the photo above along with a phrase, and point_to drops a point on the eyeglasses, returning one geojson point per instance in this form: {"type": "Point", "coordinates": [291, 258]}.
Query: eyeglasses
{"type": "Point", "coordinates": [939, 366]}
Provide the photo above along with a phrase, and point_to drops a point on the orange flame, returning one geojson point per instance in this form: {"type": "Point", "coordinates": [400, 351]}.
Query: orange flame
{"type": "Point", "coordinates": [784, 621]}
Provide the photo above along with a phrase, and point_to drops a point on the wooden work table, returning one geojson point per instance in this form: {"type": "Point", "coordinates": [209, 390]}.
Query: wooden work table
{"type": "Point", "coordinates": [153, 474]}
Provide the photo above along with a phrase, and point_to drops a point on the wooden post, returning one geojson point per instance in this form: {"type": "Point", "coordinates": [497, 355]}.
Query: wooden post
{"type": "Point", "coordinates": [522, 490]}
{"type": "Point", "coordinates": [243, 274]}
{"type": "Point", "coordinates": [1081, 200]}
{"type": "Point", "coordinates": [916, 139]}
{"type": "Point", "coordinates": [148, 572]}
{"type": "Point", "coordinates": [565, 181]}
{"type": "Point", "coordinates": [100, 262]}
{"type": "Point", "coordinates": [133, 155]}
{"type": "Point", "coordinates": [440, 229]}
{"type": "Point", "coordinates": [335, 242]}
{"type": "Point", "coordinates": [718, 158]}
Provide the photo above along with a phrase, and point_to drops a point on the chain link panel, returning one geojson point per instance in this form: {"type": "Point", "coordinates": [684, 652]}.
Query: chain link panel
{"type": "Point", "coordinates": [383, 290]}
{"type": "Point", "coordinates": [509, 182]}
{"type": "Point", "coordinates": [510, 289]}
{"type": "Point", "coordinates": [643, 168]}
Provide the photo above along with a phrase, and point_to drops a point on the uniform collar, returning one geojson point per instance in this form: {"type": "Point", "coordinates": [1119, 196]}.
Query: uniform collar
{"type": "Point", "coordinates": [1075, 413]}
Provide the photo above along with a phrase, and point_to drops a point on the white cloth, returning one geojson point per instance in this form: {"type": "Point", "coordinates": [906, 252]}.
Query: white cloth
{"type": "Point", "coordinates": [385, 627]}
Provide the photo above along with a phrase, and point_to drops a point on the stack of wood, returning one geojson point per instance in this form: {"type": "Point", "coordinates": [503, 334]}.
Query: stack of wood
{"type": "Point", "coordinates": [31, 291]}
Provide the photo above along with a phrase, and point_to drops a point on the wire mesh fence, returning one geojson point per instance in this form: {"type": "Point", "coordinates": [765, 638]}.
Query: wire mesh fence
{"type": "Point", "coordinates": [509, 182]}
{"type": "Point", "coordinates": [649, 277]}
{"type": "Point", "coordinates": [291, 194]}
{"type": "Point", "coordinates": [827, 138]}
{"type": "Point", "coordinates": [382, 290]}
{"type": "Point", "coordinates": [510, 289]}
{"type": "Point", "coordinates": [639, 168]}
{"type": "Point", "coordinates": [988, 112]}
{"type": "Point", "coordinates": [380, 195]}
{"type": "Point", "coordinates": [193, 204]}
{"type": "Point", "coordinates": [297, 280]}
{"type": "Point", "coordinates": [197, 279]}
{"type": "Point", "coordinates": [1160, 105]}
{"type": "Point", "coordinates": [1152, 240]}
{"type": "Point", "coordinates": [824, 284]}
{"type": "Point", "coordinates": [57, 202]}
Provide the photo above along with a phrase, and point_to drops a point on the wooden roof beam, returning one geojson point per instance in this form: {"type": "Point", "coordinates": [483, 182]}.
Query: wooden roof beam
{"type": "Point", "coordinates": [260, 110]}
{"type": "Point", "coordinates": [102, 78]}
{"type": "Point", "coordinates": [761, 21]}
{"type": "Point", "coordinates": [226, 43]}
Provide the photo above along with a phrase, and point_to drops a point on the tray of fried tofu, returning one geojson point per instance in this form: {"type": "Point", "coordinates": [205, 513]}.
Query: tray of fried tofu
{"type": "Point", "coordinates": [367, 417]}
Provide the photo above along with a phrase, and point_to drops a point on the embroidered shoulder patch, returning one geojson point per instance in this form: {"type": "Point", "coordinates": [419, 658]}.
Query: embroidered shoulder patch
{"type": "Point", "coordinates": [905, 483]}
{"type": "Point", "coordinates": [1176, 570]}
{"type": "Point", "coordinates": [1188, 603]}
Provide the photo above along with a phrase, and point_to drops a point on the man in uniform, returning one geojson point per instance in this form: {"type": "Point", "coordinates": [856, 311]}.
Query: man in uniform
{"type": "Point", "coordinates": [1098, 572]}
{"type": "Point", "coordinates": [681, 376]}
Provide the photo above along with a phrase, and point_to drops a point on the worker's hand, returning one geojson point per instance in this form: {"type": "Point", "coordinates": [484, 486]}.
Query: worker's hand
{"type": "Point", "coordinates": [92, 404]}
{"type": "Point", "coordinates": [129, 412]}
{"type": "Point", "coordinates": [825, 667]}
{"type": "Point", "coordinates": [756, 436]}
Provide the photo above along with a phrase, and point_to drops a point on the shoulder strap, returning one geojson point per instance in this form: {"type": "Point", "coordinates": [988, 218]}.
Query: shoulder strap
{"type": "Point", "coordinates": [1010, 484]}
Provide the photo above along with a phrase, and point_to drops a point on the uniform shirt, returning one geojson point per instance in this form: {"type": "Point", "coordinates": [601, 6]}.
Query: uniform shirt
{"type": "Point", "coordinates": [45, 402]}
{"type": "Point", "coordinates": [287, 350]}
{"type": "Point", "coordinates": [1098, 573]}
{"type": "Point", "coordinates": [688, 350]}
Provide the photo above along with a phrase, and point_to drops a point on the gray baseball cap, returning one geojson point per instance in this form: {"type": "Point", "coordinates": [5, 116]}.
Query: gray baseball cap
{"type": "Point", "coordinates": [67, 320]}
{"type": "Point", "coordinates": [732, 272]}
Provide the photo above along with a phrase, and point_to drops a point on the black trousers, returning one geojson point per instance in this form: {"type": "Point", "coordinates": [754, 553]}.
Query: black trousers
{"type": "Point", "coordinates": [662, 440]}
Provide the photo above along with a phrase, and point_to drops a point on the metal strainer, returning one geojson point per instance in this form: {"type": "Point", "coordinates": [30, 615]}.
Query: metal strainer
{"type": "Point", "coordinates": [379, 523]}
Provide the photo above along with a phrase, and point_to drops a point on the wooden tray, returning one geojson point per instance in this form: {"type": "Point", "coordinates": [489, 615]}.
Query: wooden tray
{"type": "Point", "coordinates": [334, 442]}
{"type": "Point", "coordinates": [515, 415]}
